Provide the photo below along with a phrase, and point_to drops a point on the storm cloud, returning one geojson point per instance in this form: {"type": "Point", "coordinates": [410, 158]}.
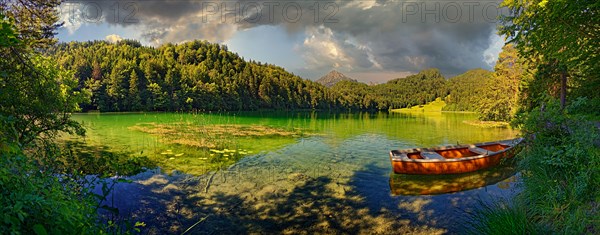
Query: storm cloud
{"type": "Point", "coordinates": [354, 36]}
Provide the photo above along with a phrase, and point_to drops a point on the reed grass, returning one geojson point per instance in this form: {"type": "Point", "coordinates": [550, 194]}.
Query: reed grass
{"type": "Point", "coordinates": [501, 218]}
{"type": "Point", "coordinates": [210, 136]}
{"type": "Point", "coordinates": [197, 147]}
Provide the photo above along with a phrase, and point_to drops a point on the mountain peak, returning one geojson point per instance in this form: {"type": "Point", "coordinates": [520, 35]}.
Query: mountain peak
{"type": "Point", "coordinates": [334, 77]}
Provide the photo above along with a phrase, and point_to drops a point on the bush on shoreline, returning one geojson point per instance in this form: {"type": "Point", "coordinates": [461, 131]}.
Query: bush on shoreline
{"type": "Point", "coordinates": [560, 166]}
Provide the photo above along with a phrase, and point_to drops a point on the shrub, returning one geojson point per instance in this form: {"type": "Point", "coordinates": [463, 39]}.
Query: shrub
{"type": "Point", "coordinates": [35, 202]}
{"type": "Point", "coordinates": [561, 164]}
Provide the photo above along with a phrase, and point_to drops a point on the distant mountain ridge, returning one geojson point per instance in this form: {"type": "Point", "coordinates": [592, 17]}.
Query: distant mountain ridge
{"type": "Point", "coordinates": [334, 77]}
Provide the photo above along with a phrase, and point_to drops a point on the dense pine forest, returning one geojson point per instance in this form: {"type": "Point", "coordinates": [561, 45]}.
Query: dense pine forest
{"type": "Point", "coordinates": [198, 75]}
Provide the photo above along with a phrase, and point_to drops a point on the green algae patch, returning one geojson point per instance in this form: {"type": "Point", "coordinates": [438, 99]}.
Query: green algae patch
{"type": "Point", "coordinates": [211, 136]}
{"type": "Point", "coordinates": [197, 149]}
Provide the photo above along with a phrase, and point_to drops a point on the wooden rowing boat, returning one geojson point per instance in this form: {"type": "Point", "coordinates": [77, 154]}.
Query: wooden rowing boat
{"type": "Point", "coordinates": [452, 159]}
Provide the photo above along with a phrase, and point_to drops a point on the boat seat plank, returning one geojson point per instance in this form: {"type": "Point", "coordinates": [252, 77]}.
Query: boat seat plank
{"type": "Point", "coordinates": [432, 155]}
{"type": "Point", "coordinates": [402, 156]}
{"type": "Point", "coordinates": [479, 150]}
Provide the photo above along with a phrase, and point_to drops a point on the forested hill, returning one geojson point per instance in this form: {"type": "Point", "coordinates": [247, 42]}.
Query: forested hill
{"type": "Point", "coordinates": [416, 89]}
{"type": "Point", "coordinates": [466, 90]}
{"type": "Point", "coordinates": [198, 75]}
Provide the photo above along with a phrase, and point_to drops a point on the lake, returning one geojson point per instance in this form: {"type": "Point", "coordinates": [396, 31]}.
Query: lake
{"type": "Point", "coordinates": [293, 172]}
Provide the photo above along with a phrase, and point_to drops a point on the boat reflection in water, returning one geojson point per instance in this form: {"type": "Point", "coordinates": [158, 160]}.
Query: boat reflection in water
{"type": "Point", "coordinates": [402, 184]}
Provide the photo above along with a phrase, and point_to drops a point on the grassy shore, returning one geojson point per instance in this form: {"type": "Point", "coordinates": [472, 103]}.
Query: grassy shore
{"type": "Point", "coordinates": [487, 124]}
{"type": "Point", "coordinates": [434, 106]}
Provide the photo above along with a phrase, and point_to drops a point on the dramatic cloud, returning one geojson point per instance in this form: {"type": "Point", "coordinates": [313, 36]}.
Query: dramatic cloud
{"type": "Point", "coordinates": [72, 16]}
{"type": "Point", "coordinates": [355, 36]}
{"type": "Point", "coordinates": [113, 38]}
{"type": "Point", "coordinates": [490, 55]}
{"type": "Point", "coordinates": [324, 49]}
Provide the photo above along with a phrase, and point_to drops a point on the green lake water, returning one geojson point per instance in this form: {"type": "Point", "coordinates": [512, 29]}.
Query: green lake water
{"type": "Point", "coordinates": [330, 173]}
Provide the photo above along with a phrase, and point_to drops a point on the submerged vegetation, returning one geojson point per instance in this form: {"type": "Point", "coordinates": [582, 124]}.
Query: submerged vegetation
{"type": "Point", "coordinates": [209, 136]}
{"type": "Point", "coordinates": [197, 149]}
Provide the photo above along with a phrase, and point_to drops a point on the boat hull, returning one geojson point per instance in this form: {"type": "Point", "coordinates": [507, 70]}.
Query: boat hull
{"type": "Point", "coordinates": [454, 165]}
{"type": "Point", "coordinates": [434, 168]}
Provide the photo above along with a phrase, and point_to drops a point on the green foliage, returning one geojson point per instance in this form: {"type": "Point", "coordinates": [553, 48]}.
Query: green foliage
{"type": "Point", "coordinates": [40, 203]}
{"type": "Point", "coordinates": [356, 95]}
{"type": "Point", "coordinates": [561, 161]}
{"type": "Point", "coordinates": [563, 30]}
{"type": "Point", "coordinates": [562, 38]}
{"type": "Point", "coordinates": [540, 85]}
{"type": "Point", "coordinates": [586, 107]}
{"type": "Point", "coordinates": [466, 90]}
{"type": "Point", "coordinates": [34, 22]}
{"type": "Point", "coordinates": [8, 37]}
{"type": "Point", "coordinates": [499, 97]}
{"type": "Point", "coordinates": [562, 169]}
{"type": "Point", "coordinates": [61, 199]}
{"type": "Point", "coordinates": [36, 98]}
